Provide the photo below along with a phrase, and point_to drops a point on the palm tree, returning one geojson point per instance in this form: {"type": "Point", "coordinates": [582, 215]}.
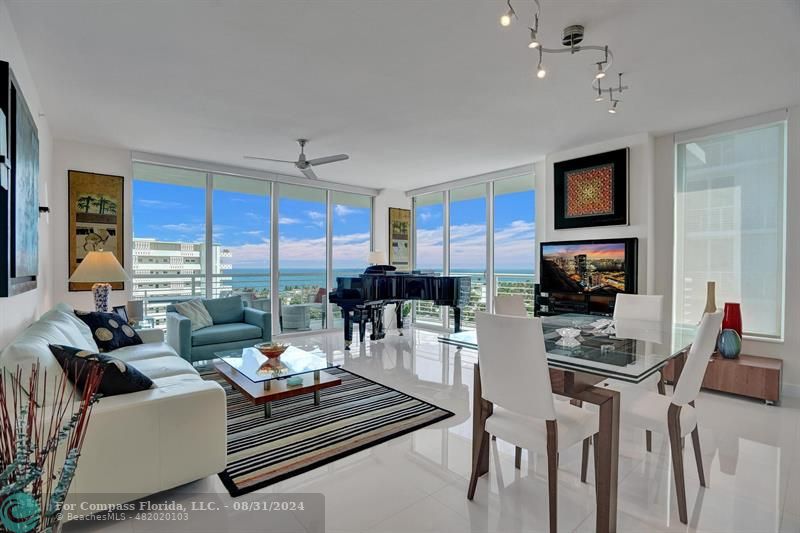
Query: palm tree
{"type": "Point", "coordinates": [111, 207]}
{"type": "Point", "coordinates": [100, 203]}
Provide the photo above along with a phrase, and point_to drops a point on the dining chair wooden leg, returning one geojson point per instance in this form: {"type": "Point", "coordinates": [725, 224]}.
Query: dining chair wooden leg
{"type": "Point", "coordinates": [675, 440]}
{"type": "Point", "coordinates": [517, 457]}
{"type": "Point", "coordinates": [552, 473]}
{"type": "Point", "coordinates": [698, 458]}
{"type": "Point", "coordinates": [584, 459]}
{"type": "Point", "coordinates": [648, 440]}
{"type": "Point", "coordinates": [480, 438]}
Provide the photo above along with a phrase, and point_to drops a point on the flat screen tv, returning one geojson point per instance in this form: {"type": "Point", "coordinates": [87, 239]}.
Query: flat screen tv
{"type": "Point", "coordinates": [594, 268]}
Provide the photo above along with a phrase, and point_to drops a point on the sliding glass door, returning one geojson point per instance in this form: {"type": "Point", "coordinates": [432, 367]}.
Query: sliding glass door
{"type": "Point", "coordinates": [468, 245]}
{"type": "Point", "coordinates": [351, 218]}
{"type": "Point", "coordinates": [302, 256]}
{"type": "Point", "coordinates": [515, 237]}
{"type": "Point", "coordinates": [429, 248]}
{"type": "Point", "coordinates": [241, 239]}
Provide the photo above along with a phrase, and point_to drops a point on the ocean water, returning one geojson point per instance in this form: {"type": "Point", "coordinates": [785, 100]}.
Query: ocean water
{"type": "Point", "coordinates": [302, 277]}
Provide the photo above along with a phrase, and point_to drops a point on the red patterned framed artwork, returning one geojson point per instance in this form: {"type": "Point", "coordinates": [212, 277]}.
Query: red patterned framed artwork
{"type": "Point", "coordinates": [592, 190]}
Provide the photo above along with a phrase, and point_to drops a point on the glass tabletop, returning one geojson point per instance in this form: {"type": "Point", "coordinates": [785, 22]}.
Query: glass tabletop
{"type": "Point", "coordinates": [258, 368]}
{"type": "Point", "coordinates": [628, 350]}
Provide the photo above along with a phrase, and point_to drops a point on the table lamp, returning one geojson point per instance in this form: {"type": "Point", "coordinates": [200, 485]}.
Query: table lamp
{"type": "Point", "coordinates": [102, 269]}
{"type": "Point", "coordinates": [376, 258]}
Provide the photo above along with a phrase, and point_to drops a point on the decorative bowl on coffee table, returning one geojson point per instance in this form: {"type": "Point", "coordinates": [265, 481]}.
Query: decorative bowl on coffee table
{"type": "Point", "coordinates": [272, 350]}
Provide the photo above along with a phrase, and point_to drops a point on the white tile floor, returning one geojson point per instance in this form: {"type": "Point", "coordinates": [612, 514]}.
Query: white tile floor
{"type": "Point", "coordinates": [418, 482]}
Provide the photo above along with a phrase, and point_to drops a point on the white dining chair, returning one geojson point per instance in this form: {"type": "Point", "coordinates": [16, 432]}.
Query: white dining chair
{"type": "Point", "coordinates": [639, 307]}
{"type": "Point", "coordinates": [510, 305]}
{"type": "Point", "coordinates": [675, 416]}
{"type": "Point", "coordinates": [515, 379]}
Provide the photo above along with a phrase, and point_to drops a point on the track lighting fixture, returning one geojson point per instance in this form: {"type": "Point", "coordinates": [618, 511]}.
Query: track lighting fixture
{"type": "Point", "coordinates": [534, 43]}
{"type": "Point", "coordinates": [505, 19]}
{"type": "Point", "coordinates": [572, 41]}
{"type": "Point", "coordinates": [540, 71]}
{"type": "Point", "coordinates": [600, 72]}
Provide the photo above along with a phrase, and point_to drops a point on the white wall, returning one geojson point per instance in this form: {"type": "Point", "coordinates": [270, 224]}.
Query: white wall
{"type": "Point", "coordinates": [380, 216]}
{"type": "Point", "coordinates": [69, 155]}
{"type": "Point", "coordinates": [19, 311]}
{"type": "Point", "coordinates": [640, 198]}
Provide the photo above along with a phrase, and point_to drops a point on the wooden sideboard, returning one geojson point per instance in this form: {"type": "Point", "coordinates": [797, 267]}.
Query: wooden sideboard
{"type": "Point", "coordinates": [748, 375]}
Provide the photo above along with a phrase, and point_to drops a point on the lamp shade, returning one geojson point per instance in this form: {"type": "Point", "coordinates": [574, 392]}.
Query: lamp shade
{"type": "Point", "coordinates": [99, 267]}
{"type": "Point", "coordinates": [376, 258]}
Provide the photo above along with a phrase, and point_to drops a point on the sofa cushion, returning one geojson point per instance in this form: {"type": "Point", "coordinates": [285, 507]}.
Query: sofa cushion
{"type": "Point", "coordinates": [139, 352]}
{"type": "Point", "coordinates": [225, 310]}
{"type": "Point", "coordinates": [222, 333]}
{"type": "Point", "coordinates": [71, 326]}
{"type": "Point", "coordinates": [161, 367]}
{"type": "Point", "coordinates": [118, 377]}
{"type": "Point", "coordinates": [81, 325]}
{"type": "Point", "coordinates": [109, 330]}
{"type": "Point", "coordinates": [196, 312]}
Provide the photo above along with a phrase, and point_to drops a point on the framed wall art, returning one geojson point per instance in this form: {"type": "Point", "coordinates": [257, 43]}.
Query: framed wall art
{"type": "Point", "coordinates": [19, 189]}
{"type": "Point", "coordinates": [96, 204]}
{"type": "Point", "coordinates": [592, 190]}
{"type": "Point", "coordinates": [400, 238]}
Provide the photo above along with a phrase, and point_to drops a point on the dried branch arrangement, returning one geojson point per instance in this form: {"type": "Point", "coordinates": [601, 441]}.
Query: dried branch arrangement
{"type": "Point", "coordinates": [41, 435]}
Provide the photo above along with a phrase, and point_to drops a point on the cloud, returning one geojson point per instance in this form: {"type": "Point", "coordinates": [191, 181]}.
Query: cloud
{"type": "Point", "coordinates": [343, 210]}
{"type": "Point", "coordinates": [289, 220]}
{"type": "Point", "coordinates": [348, 250]}
{"type": "Point", "coordinates": [315, 215]}
{"type": "Point", "coordinates": [160, 204]}
{"type": "Point", "coordinates": [254, 233]}
{"type": "Point", "coordinates": [181, 228]}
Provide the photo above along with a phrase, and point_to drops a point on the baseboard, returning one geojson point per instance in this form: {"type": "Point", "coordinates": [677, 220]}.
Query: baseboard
{"type": "Point", "coordinates": [791, 390]}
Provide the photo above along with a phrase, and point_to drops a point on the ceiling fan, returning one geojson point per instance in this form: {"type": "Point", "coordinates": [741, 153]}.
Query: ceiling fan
{"type": "Point", "coordinates": [305, 164]}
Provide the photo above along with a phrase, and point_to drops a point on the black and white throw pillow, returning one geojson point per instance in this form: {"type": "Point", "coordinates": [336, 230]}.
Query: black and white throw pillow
{"type": "Point", "coordinates": [109, 330]}
{"type": "Point", "coordinates": [119, 377]}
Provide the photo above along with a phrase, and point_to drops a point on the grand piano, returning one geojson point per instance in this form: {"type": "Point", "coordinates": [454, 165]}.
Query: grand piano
{"type": "Point", "coordinates": [363, 298]}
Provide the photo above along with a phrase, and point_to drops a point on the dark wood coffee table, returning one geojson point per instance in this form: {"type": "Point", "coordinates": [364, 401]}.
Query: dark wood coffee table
{"type": "Point", "coordinates": [263, 381]}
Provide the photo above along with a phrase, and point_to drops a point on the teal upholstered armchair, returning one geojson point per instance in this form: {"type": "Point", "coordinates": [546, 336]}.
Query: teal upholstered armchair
{"type": "Point", "coordinates": [235, 326]}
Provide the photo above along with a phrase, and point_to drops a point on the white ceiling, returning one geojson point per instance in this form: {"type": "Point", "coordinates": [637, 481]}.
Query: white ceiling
{"type": "Point", "coordinates": [417, 92]}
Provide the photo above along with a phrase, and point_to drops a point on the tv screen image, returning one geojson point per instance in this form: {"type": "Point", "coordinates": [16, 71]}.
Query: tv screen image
{"type": "Point", "coordinates": [590, 267]}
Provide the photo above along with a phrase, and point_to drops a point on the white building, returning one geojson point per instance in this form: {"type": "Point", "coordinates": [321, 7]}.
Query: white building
{"type": "Point", "coordinates": [164, 271]}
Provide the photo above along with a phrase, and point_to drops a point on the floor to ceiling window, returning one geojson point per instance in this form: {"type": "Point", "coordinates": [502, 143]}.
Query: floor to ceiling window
{"type": "Point", "coordinates": [203, 234]}
{"type": "Point", "coordinates": [730, 224]}
{"type": "Point", "coordinates": [169, 237]}
{"type": "Point", "coordinates": [515, 237]}
{"type": "Point", "coordinates": [351, 220]}
{"type": "Point", "coordinates": [241, 239]}
{"type": "Point", "coordinates": [468, 245]}
{"type": "Point", "coordinates": [429, 247]}
{"type": "Point", "coordinates": [302, 257]}
{"type": "Point", "coordinates": [455, 236]}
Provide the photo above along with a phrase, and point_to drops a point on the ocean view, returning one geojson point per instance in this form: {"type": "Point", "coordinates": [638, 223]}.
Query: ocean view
{"type": "Point", "coordinates": [258, 279]}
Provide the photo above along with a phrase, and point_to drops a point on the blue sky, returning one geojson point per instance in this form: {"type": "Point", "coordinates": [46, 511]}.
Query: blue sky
{"type": "Point", "coordinates": [241, 223]}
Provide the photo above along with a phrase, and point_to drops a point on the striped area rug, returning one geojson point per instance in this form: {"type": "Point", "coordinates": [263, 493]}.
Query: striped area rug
{"type": "Point", "coordinates": [300, 436]}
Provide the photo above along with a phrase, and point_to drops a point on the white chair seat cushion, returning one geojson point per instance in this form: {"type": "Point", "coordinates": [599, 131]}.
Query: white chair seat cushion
{"type": "Point", "coordinates": [574, 425]}
{"type": "Point", "coordinates": [138, 352]}
{"type": "Point", "coordinates": [161, 367]}
{"type": "Point", "coordinates": [648, 410]}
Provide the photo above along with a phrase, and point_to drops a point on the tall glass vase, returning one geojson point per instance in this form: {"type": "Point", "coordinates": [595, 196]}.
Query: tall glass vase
{"type": "Point", "coordinates": [732, 317]}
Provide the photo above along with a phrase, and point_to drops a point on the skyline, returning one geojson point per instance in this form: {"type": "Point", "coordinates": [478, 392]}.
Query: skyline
{"type": "Point", "coordinates": [169, 212]}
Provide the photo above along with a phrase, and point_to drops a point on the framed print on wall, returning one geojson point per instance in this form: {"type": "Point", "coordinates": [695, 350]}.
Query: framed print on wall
{"type": "Point", "coordinates": [96, 203]}
{"type": "Point", "coordinates": [592, 190]}
{"type": "Point", "coordinates": [400, 238]}
{"type": "Point", "coordinates": [19, 189]}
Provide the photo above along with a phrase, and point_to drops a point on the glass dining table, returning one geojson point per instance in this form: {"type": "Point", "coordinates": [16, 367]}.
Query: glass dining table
{"type": "Point", "coordinates": [582, 351]}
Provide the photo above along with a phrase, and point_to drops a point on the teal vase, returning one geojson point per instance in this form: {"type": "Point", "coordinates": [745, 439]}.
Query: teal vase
{"type": "Point", "coordinates": [729, 344]}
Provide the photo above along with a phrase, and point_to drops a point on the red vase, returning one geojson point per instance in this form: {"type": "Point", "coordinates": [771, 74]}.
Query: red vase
{"type": "Point", "coordinates": [732, 317]}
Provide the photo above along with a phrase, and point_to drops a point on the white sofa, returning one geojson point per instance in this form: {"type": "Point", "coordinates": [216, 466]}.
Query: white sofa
{"type": "Point", "coordinates": [141, 443]}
